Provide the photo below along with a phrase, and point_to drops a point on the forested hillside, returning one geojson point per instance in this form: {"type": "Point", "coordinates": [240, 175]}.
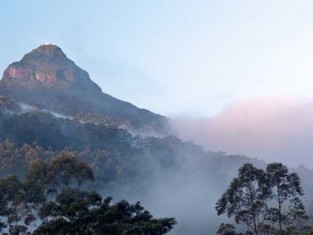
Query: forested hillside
{"type": "Point", "coordinates": [46, 79]}
{"type": "Point", "coordinates": [160, 172]}
{"type": "Point", "coordinates": [51, 108]}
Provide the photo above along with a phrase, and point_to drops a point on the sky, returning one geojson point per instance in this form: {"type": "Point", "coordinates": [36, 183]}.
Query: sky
{"type": "Point", "coordinates": [271, 129]}
{"type": "Point", "coordinates": [235, 75]}
{"type": "Point", "coordinates": [176, 58]}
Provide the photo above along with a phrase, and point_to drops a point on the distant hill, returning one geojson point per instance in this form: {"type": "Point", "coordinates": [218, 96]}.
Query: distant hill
{"type": "Point", "coordinates": [50, 105]}
{"type": "Point", "coordinates": [170, 176]}
{"type": "Point", "coordinates": [46, 79]}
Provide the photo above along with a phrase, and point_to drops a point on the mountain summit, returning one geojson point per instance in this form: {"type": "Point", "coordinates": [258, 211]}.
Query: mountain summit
{"type": "Point", "coordinates": [46, 50]}
{"type": "Point", "coordinates": [47, 66]}
{"type": "Point", "coordinates": [47, 79]}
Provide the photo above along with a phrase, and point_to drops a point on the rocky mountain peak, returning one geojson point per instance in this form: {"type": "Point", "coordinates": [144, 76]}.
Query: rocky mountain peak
{"type": "Point", "coordinates": [45, 51]}
{"type": "Point", "coordinates": [46, 79]}
{"type": "Point", "coordinates": [47, 66]}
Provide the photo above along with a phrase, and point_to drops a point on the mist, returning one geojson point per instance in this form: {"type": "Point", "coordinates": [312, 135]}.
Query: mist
{"type": "Point", "coordinates": [171, 177]}
{"type": "Point", "coordinates": [187, 191]}
{"type": "Point", "coordinates": [271, 129]}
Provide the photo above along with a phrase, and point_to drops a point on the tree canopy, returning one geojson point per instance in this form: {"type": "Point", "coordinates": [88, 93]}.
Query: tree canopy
{"type": "Point", "coordinates": [69, 210]}
{"type": "Point", "coordinates": [83, 213]}
{"type": "Point", "coordinates": [264, 200]}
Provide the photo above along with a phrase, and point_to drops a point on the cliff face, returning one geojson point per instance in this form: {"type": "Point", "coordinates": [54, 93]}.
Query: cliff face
{"type": "Point", "coordinates": [47, 79]}
{"type": "Point", "coordinates": [48, 67]}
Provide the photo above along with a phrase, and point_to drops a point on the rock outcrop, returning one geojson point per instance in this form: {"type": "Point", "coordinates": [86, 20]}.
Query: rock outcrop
{"type": "Point", "coordinates": [47, 79]}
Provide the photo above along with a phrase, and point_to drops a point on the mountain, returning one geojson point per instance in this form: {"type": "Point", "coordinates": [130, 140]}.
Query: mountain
{"type": "Point", "coordinates": [169, 176]}
{"type": "Point", "coordinates": [46, 79]}
{"type": "Point", "coordinates": [8, 105]}
{"type": "Point", "coordinates": [50, 106]}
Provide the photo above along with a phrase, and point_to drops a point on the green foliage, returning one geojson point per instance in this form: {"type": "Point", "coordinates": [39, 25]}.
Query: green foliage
{"type": "Point", "coordinates": [12, 205]}
{"type": "Point", "coordinates": [285, 187]}
{"type": "Point", "coordinates": [36, 182]}
{"type": "Point", "coordinates": [129, 163]}
{"type": "Point", "coordinates": [226, 229]}
{"type": "Point", "coordinates": [49, 131]}
{"type": "Point", "coordinates": [72, 211]}
{"type": "Point", "coordinates": [15, 160]}
{"type": "Point", "coordinates": [65, 169]}
{"type": "Point", "coordinates": [77, 212]}
{"type": "Point", "coordinates": [19, 201]}
{"type": "Point", "coordinates": [252, 195]}
{"type": "Point", "coordinates": [245, 198]}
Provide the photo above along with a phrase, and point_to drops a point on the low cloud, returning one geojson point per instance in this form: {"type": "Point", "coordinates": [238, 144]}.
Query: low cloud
{"type": "Point", "coordinates": [271, 129]}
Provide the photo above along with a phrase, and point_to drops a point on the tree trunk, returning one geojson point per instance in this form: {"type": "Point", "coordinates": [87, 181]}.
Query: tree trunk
{"type": "Point", "coordinates": [255, 226]}
{"type": "Point", "coordinates": [279, 209]}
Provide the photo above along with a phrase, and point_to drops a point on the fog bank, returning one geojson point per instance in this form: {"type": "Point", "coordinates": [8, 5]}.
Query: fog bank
{"type": "Point", "coordinates": [272, 129]}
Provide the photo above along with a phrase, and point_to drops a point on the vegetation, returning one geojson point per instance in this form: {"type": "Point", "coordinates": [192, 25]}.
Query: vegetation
{"type": "Point", "coordinates": [49, 196]}
{"type": "Point", "coordinates": [46, 163]}
{"type": "Point", "coordinates": [123, 163]}
{"type": "Point", "coordinates": [78, 212]}
{"type": "Point", "coordinates": [265, 201]}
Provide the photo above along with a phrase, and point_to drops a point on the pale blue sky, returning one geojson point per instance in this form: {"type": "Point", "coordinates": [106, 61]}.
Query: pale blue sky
{"type": "Point", "coordinates": [173, 57]}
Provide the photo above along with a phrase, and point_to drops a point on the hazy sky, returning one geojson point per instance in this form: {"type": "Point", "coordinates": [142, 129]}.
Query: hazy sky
{"type": "Point", "coordinates": [270, 129]}
{"type": "Point", "coordinates": [173, 57]}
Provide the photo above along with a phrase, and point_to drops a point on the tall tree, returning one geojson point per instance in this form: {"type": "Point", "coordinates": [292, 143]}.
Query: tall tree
{"type": "Point", "coordinates": [256, 198]}
{"type": "Point", "coordinates": [245, 198]}
{"type": "Point", "coordinates": [35, 182]}
{"type": "Point", "coordinates": [66, 169]}
{"type": "Point", "coordinates": [11, 204]}
{"type": "Point", "coordinates": [285, 187]}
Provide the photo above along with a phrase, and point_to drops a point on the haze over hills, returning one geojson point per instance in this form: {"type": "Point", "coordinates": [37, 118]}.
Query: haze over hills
{"type": "Point", "coordinates": [168, 103]}
{"type": "Point", "coordinates": [270, 128]}
{"type": "Point", "coordinates": [45, 78]}
{"type": "Point", "coordinates": [49, 105]}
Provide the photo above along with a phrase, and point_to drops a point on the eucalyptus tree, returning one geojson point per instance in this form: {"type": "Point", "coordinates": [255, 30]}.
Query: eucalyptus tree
{"type": "Point", "coordinates": [245, 198]}
{"type": "Point", "coordinates": [264, 199]}
{"type": "Point", "coordinates": [285, 189]}
{"type": "Point", "coordinates": [66, 170]}
{"type": "Point", "coordinates": [11, 205]}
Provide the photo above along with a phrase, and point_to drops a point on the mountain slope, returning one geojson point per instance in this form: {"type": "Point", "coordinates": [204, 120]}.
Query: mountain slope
{"type": "Point", "coordinates": [47, 79]}
{"type": "Point", "coordinates": [168, 175]}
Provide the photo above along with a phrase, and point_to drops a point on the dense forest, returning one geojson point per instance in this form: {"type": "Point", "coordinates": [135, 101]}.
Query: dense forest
{"type": "Point", "coordinates": [49, 201]}
{"type": "Point", "coordinates": [67, 149]}
{"type": "Point", "coordinates": [153, 170]}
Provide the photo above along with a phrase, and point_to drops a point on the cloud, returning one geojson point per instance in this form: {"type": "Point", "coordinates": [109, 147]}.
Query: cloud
{"type": "Point", "coordinates": [272, 129]}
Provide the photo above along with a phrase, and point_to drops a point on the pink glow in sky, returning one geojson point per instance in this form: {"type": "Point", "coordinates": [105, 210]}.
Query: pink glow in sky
{"type": "Point", "coordinates": [270, 128]}
{"type": "Point", "coordinates": [175, 57]}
